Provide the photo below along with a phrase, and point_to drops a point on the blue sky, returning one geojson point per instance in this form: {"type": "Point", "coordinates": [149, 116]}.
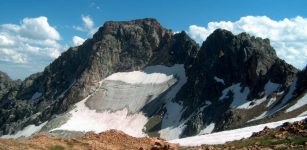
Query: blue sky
{"type": "Point", "coordinates": [65, 15]}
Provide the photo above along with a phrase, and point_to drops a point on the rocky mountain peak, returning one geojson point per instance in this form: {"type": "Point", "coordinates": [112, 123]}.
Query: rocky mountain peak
{"type": "Point", "coordinates": [118, 46]}
{"type": "Point", "coordinates": [131, 29]}
{"type": "Point", "coordinates": [224, 61]}
{"type": "Point", "coordinates": [239, 58]}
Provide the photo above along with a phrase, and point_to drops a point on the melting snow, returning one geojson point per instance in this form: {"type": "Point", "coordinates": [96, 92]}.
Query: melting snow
{"type": "Point", "coordinates": [219, 80]}
{"type": "Point", "coordinates": [270, 87]}
{"type": "Point", "coordinates": [239, 98]}
{"type": "Point", "coordinates": [171, 127]}
{"type": "Point", "coordinates": [208, 129]}
{"type": "Point", "coordinates": [301, 102]}
{"type": "Point", "coordinates": [231, 135]}
{"type": "Point", "coordinates": [272, 100]}
{"type": "Point", "coordinates": [263, 115]}
{"type": "Point", "coordinates": [286, 98]}
{"type": "Point", "coordinates": [302, 114]}
{"type": "Point", "coordinates": [26, 132]}
{"type": "Point", "coordinates": [139, 77]}
{"type": "Point", "coordinates": [83, 119]}
{"type": "Point", "coordinates": [251, 104]}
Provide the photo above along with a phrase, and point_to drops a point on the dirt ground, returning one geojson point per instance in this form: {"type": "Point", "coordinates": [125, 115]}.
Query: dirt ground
{"type": "Point", "coordinates": [110, 140]}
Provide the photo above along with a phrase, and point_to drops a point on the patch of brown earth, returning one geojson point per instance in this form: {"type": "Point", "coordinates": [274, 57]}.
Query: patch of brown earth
{"type": "Point", "coordinates": [110, 140]}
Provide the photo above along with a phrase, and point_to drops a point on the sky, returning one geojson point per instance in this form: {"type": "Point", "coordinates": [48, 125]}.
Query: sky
{"type": "Point", "coordinates": [34, 33]}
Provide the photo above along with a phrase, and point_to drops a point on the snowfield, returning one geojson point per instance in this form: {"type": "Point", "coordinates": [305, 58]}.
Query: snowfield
{"type": "Point", "coordinates": [240, 97]}
{"type": "Point", "coordinates": [231, 135]}
{"type": "Point", "coordinates": [139, 77]}
{"type": "Point", "coordinates": [117, 103]}
{"type": "Point", "coordinates": [208, 129]}
{"type": "Point", "coordinates": [300, 103]}
{"type": "Point", "coordinates": [84, 119]}
{"type": "Point", "coordinates": [26, 132]}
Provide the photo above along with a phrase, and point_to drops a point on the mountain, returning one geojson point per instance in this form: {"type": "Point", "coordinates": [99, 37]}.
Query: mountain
{"type": "Point", "coordinates": [138, 77]}
{"type": "Point", "coordinates": [238, 75]}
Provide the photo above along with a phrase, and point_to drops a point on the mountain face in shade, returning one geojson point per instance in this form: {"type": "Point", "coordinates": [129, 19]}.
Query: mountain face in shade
{"type": "Point", "coordinates": [174, 87]}
{"type": "Point", "coordinates": [224, 60]}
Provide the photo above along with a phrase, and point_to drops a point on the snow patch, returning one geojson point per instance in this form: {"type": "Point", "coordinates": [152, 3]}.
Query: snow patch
{"type": "Point", "coordinates": [271, 87]}
{"type": "Point", "coordinates": [302, 114]}
{"type": "Point", "coordinates": [231, 135]}
{"type": "Point", "coordinates": [172, 127]}
{"type": "Point", "coordinates": [239, 98]}
{"type": "Point", "coordinates": [208, 129]}
{"type": "Point", "coordinates": [271, 101]}
{"type": "Point", "coordinates": [251, 104]}
{"type": "Point", "coordinates": [285, 99]}
{"type": "Point", "coordinates": [26, 132]}
{"type": "Point", "coordinates": [219, 80]}
{"type": "Point", "coordinates": [139, 77]}
{"type": "Point", "coordinates": [300, 103]}
{"type": "Point", "coordinates": [177, 70]}
{"type": "Point", "coordinates": [263, 115]}
{"type": "Point", "coordinates": [84, 119]}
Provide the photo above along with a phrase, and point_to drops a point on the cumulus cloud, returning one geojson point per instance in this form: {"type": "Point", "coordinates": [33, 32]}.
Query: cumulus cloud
{"type": "Point", "coordinates": [9, 55]}
{"type": "Point", "coordinates": [76, 40]}
{"type": "Point", "coordinates": [87, 26]}
{"type": "Point", "coordinates": [33, 42]}
{"type": "Point", "coordinates": [288, 36]}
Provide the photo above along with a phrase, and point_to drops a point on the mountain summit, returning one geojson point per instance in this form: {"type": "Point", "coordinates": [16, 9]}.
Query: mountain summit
{"type": "Point", "coordinates": [138, 77]}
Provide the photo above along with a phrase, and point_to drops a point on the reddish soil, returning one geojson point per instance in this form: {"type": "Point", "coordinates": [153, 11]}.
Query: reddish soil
{"type": "Point", "coordinates": [110, 140]}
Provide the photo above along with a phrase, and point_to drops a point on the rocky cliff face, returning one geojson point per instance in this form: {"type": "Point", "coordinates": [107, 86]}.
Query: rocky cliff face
{"type": "Point", "coordinates": [6, 84]}
{"type": "Point", "coordinates": [302, 81]}
{"type": "Point", "coordinates": [231, 79]}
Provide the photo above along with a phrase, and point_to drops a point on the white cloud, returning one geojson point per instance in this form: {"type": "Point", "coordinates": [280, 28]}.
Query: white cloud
{"type": "Point", "coordinates": [5, 41]}
{"type": "Point", "coordinates": [76, 40]}
{"type": "Point", "coordinates": [288, 36]}
{"type": "Point", "coordinates": [88, 22]}
{"type": "Point", "coordinates": [88, 25]}
{"type": "Point", "coordinates": [33, 44]}
{"type": "Point", "coordinates": [9, 55]}
{"type": "Point", "coordinates": [38, 28]}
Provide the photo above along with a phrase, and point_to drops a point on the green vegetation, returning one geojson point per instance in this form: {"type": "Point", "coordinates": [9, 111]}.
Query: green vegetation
{"type": "Point", "coordinates": [270, 141]}
{"type": "Point", "coordinates": [56, 147]}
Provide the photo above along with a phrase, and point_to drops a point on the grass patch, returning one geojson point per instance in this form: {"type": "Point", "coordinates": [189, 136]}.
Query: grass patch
{"type": "Point", "coordinates": [269, 141]}
{"type": "Point", "coordinates": [56, 147]}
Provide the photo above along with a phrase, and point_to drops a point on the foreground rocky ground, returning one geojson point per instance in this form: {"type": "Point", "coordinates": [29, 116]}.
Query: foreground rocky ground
{"type": "Point", "coordinates": [287, 136]}
{"type": "Point", "coordinates": [110, 140]}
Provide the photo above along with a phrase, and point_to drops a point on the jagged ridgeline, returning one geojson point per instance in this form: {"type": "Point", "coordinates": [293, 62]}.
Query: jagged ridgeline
{"type": "Point", "coordinates": [141, 78]}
